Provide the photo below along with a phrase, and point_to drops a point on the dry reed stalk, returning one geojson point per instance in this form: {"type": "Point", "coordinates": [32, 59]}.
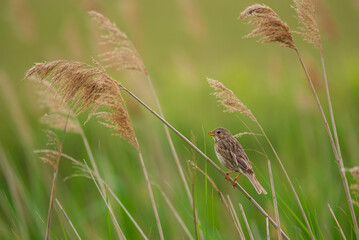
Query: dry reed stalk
{"type": "Point", "coordinates": [223, 200]}
{"type": "Point", "coordinates": [117, 40]}
{"type": "Point", "coordinates": [193, 202]}
{"type": "Point", "coordinates": [55, 163]}
{"type": "Point", "coordinates": [305, 10]}
{"type": "Point", "coordinates": [246, 222]}
{"type": "Point", "coordinates": [224, 93]}
{"type": "Point", "coordinates": [151, 196]}
{"type": "Point", "coordinates": [175, 213]}
{"type": "Point", "coordinates": [194, 210]}
{"type": "Point", "coordinates": [335, 147]}
{"type": "Point", "coordinates": [274, 200]}
{"type": "Point", "coordinates": [84, 173]}
{"type": "Point", "coordinates": [239, 187]}
{"type": "Point", "coordinates": [267, 229]}
{"type": "Point", "coordinates": [68, 219]}
{"type": "Point", "coordinates": [85, 87]}
{"type": "Point", "coordinates": [117, 226]}
{"type": "Point", "coordinates": [126, 211]}
{"type": "Point", "coordinates": [235, 216]}
{"type": "Point", "coordinates": [336, 221]}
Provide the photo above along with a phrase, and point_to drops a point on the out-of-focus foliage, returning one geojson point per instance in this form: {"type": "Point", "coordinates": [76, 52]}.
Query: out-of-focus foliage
{"type": "Point", "coordinates": [181, 43]}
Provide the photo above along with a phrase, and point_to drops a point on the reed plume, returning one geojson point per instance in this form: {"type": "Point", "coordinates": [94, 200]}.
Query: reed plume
{"type": "Point", "coordinates": [84, 87]}
{"type": "Point", "coordinates": [268, 24]}
{"type": "Point", "coordinates": [228, 99]}
{"type": "Point", "coordinates": [123, 55]}
{"type": "Point", "coordinates": [227, 95]}
{"type": "Point", "coordinates": [305, 10]}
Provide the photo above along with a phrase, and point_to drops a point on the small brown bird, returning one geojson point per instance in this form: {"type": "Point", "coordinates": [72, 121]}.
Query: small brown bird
{"type": "Point", "coordinates": [231, 154]}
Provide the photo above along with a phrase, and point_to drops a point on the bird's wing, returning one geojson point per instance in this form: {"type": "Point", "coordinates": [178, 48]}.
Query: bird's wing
{"type": "Point", "coordinates": [241, 160]}
{"type": "Point", "coordinates": [234, 151]}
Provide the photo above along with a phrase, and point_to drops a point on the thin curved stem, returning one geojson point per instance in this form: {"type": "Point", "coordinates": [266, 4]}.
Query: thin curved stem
{"type": "Point", "coordinates": [336, 148]}
{"type": "Point", "coordinates": [151, 196]}
{"type": "Point", "coordinates": [288, 179]}
{"type": "Point", "coordinates": [249, 197]}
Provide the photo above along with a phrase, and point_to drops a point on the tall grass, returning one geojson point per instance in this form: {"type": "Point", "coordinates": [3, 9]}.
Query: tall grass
{"type": "Point", "coordinates": [138, 207]}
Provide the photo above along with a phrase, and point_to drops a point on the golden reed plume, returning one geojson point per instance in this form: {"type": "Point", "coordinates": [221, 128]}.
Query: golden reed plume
{"type": "Point", "coordinates": [306, 14]}
{"type": "Point", "coordinates": [228, 99]}
{"type": "Point", "coordinates": [268, 24]}
{"type": "Point", "coordinates": [123, 55]}
{"type": "Point", "coordinates": [84, 87]}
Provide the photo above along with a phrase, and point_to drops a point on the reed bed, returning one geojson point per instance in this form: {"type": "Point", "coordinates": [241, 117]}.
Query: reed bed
{"type": "Point", "coordinates": [133, 175]}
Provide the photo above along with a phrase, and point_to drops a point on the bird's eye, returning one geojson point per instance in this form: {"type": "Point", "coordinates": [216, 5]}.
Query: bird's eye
{"type": "Point", "coordinates": [218, 132]}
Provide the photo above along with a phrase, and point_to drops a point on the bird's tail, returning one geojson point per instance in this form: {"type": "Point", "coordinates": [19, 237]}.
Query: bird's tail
{"type": "Point", "coordinates": [256, 184]}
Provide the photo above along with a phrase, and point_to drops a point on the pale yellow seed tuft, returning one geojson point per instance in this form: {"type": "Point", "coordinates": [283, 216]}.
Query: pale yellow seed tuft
{"type": "Point", "coordinates": [84, 87]}
{"type": "Point", "coordinates": [228, 99]}
{"type": "Point", "coordinates": [123, 55]}
{"type": "Point", "coordinates": [306, 14]}
{"type": "Point", "coordinates": [269, 26]}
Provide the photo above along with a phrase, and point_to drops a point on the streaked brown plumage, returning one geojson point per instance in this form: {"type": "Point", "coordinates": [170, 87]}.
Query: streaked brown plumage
{"type": "Point", "coordinates": [231, 154]}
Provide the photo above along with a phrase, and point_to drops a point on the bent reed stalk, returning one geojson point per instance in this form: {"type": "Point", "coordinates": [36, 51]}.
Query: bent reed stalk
{"type": "Point", "coordinates": [305, 10]}
{"type": "Point", "coordinates": [230, 211]}
{"type": "Point", "coordinates": [335, 148]}
{"type": "Point", "coordinates": [239, 187]}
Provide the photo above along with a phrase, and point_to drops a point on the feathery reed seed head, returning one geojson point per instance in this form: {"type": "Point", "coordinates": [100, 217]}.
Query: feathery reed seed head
{"type": "Point", "coordinates": [228, 99]}
{"type": "Point", "coordinates": [305, 10]}
{"type": "Point", "coordinates": [355, 173]}
{"type": "Point", "coordinates": [123, 55]}
{"type": "Point", "coordinates": [269, 26]}
{"type": "Point", "coordinates": [84, 87]}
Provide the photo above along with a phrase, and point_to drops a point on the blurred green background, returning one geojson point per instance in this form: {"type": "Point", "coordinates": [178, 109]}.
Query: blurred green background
{"type": "Point", "coordinates": [182, 42]}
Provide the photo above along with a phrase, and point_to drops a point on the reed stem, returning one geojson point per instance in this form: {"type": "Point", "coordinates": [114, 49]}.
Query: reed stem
{"type": "Point", "coordinates": [336, 150]}
{"type": "Point", "coordinates": [249, 197]}
{"type": "Point", "coordinates": [53, 187]}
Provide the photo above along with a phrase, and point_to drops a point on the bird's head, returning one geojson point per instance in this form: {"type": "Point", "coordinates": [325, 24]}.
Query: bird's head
{"type": "Point", "coordinates": [220, 133]}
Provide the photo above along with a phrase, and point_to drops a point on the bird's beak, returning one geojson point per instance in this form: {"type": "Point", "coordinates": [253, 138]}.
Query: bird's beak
{"type": "Point", "coordinates": [211, 133]}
